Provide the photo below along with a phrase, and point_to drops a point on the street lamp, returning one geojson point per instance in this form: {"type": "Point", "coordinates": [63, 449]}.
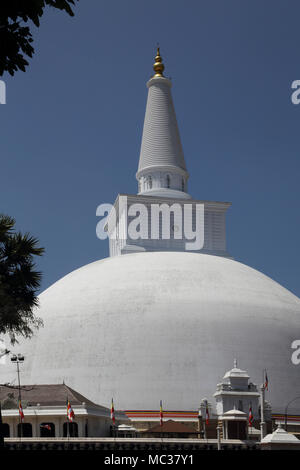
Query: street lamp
{"type": "Point", "coordinates": [19, 359]}
{"type": "Point", "coordinates": [2, 354]}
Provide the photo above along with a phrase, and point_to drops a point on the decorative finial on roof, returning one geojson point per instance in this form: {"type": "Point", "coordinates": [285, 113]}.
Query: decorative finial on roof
{"type": "Point", "coordinates": [235, 364]}
{"type": "Point", "coordinates": [158, 66]}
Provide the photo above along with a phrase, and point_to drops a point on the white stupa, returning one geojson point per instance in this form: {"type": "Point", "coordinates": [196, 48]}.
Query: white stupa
{"type": "Point", "coordinates": [154, 321]}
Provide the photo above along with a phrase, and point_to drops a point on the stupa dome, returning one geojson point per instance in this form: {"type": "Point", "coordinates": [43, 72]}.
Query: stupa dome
{"type": "Point", "coordinates": [146, 327]}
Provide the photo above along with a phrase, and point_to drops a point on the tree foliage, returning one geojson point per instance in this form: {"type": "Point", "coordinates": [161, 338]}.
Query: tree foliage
{"type": "Point", "coordinates": [19, 280]}
{"type": "Point", "coordinates": [15, 38]}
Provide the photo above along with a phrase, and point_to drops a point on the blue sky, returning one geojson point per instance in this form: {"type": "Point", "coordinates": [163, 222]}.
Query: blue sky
{"type": "Point", "coordinates": [72, 125]}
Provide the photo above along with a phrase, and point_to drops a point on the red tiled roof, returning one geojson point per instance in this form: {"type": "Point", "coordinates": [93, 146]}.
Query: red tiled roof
{"type": "Point", "coordinates": [288, 417]}
{"type": "Point", "coordinates": [171, 426]}
{"type": "Point", "coordinates": [156, 414]}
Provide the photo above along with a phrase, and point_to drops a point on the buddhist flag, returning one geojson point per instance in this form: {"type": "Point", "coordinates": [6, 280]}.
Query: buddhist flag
{"type": "Point", "coordinates": [70, 412]}
{"type": "Point", "coordinates": [266, 381]}
{"type": "Point", "coordinates": [250, 418]}
{"type": "Point", "coordinates": [112, 412]}
{"type": "Point", "coordinates": [21, 411]}
{"type": "Point", "coordinates": [161, 414]}
{"type": "Point", "coordinates": [206, 415]}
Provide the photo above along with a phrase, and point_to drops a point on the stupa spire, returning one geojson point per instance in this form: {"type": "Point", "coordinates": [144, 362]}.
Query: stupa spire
{"type": "Point", "coordinates": [162, 170]}
{"type": "Point", "coordinates": [158, 66]}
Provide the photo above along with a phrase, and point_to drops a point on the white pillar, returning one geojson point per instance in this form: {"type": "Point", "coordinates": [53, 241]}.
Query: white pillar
{"type": "Point", "coordinates": [60, 426]}
{"type": "Point", "coordinates": [219, 436]}
{"type": "Point", "coordinates": [262, 412]}
{"type": "Point", "coordinates": [35, 427]}
{"type": "Point", "coordinates": [80, 423]}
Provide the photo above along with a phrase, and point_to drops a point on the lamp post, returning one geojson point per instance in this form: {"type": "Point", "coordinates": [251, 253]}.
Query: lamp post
{"type": "Point", "coordinates": [6, 351]}
{"type": "Point", "coordinates": [286, 409]}
{"type": "Point", "coordinates": [19, 359]}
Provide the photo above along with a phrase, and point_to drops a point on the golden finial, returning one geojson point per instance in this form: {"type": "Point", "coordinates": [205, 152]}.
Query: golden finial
{"type": "Point", "coordinates": [158, 66]}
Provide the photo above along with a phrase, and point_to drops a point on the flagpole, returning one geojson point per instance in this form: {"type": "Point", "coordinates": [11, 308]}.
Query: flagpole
{"type": "Point", "coordinates": [204, 429]}
{"type": "Point", "coordinates": [161, 413]}
{"type": "Point", "coordinates": [19, 386]}
{"type": "Point", "coordinates": [199, 423]}
{"type": "Point", "coordinates": [205, 419]}
{"type": "Point", "coordinates": [206, 422]}
{"type": "Point", "coordinates": [68, 423]}
{"type": "Point", "coordinates": [70, 418]}
{"type": "Point", "coordinates": [112, 417]}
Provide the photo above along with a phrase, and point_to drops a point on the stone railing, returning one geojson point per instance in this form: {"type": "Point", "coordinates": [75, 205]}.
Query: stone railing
{"type": "Point", "coordinates": [124, 444]}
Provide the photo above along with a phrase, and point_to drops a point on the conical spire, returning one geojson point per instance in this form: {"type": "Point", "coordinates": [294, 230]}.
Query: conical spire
{"type": "Point", "coordinates": [161, 149]}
